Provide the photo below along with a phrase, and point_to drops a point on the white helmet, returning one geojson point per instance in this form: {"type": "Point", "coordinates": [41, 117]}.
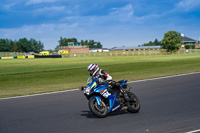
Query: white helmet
{"type": "Point", "coordinates": [92, 69]}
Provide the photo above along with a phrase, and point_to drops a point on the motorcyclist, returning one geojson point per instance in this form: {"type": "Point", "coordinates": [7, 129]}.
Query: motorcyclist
{"type": "Point", "coordinates": [104, 78]}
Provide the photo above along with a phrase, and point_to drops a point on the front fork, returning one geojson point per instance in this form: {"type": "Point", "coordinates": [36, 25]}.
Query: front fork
{"type": "Point", "coordinates": [98, 99]}
{"type": "Point", "coordinates": [99, 105]}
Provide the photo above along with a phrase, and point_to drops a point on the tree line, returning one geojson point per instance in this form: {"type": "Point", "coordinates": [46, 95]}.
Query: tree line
{"type": "Point", "coordinates": [155, 43]}
{"type": "Point", "coordinates": [25, 45]}
{"type": "Point", "coordinates": [171, 42]}
{"type": "Point", "coordinates": [22, 45]}
{"type": "Point", "coordinates": [89, 43]}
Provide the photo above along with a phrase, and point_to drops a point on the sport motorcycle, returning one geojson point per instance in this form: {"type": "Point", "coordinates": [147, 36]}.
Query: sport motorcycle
{"type": "Point", "coordinates": [103, 99]}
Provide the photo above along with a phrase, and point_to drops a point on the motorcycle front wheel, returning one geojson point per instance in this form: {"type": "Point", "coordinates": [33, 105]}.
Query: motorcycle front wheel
{"type": "Point", "coordinates": [98, 110]}
{"type": "Point", "coordinates": [133, 106]}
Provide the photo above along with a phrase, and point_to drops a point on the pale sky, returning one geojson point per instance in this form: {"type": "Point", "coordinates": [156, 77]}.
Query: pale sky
{"type": "Point", "coordinates": [111, 22]}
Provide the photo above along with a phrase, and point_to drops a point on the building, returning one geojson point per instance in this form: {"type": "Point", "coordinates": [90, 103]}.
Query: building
{"type": "Point", "coordinates": [44, 53]}
{"type": "Point", "coordinates": [188, 41]}
{"type": "Point", "coordinates": [99, 50]}
{"type": "Point", "coordinates": [135, 48]}
{"type": "Point", "coordinates": [73, 47]}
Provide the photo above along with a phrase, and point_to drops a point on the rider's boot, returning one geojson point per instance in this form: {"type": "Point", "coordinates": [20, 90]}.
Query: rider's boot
{"type": "Point", "coordinates": [123, 93]}
{"type": "Point", "coordinates": [126, 97]}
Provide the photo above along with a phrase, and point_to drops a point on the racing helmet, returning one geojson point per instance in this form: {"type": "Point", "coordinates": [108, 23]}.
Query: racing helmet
{"type": "Point", "coordinates": [92, 69]}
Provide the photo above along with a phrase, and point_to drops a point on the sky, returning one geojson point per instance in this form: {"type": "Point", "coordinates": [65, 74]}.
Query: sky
{"type": "Point", "coordinates": [114, 23]}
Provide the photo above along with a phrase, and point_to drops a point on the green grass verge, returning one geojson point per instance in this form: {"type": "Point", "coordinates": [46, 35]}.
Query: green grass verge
{"type": "Point", "coordinates": [31, 76]}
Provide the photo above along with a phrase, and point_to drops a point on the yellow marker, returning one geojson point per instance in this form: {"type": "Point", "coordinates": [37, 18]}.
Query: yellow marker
{"type": "Point", "coordinates": [6, 58]}
{"type": "Point", "coordinates": [20, 57]}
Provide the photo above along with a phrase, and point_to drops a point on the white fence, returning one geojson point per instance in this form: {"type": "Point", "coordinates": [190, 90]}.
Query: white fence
{"type": "Point", "coordinates": [112, 53]}
{"type": "Point", "coordinates": [10, 54]}
{"type": "Point", "coordinates": [132, 53]}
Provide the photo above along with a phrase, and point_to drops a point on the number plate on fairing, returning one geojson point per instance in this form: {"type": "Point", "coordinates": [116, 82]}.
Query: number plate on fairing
{"type": "Point", "coordinates": [105, 93]}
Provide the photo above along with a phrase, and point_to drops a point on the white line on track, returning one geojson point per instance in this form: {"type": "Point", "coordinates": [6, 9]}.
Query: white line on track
{"type": "Point", "coordinates": [195, 131]}
{"type": "Point", "coordinates": [165, 77]}
{"type": "Point", "coordinates": [78, 89]}
{"type": "Point", "coordinates": [38, 94]}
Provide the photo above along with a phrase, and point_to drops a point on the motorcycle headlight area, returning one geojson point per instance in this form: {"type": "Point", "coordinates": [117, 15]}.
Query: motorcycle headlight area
{"type": "Point", "coordinates": [87, 90]}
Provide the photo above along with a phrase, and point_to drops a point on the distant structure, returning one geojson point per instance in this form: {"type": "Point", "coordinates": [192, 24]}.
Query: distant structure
{"type": "Point", "coordinates": [99, 50]}
{"type": "Point", "coordinates": [185, 41]}
{"type": "Point", "coordinates": [73, 47]}
{"type": "Point", "coordinates": [188, 41]}
{"type": "Point", "coordinates": [132, 48]}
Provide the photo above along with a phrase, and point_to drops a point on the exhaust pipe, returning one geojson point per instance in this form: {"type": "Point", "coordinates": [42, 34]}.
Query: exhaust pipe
{"type": "Point", "coordinates": [124, 108]}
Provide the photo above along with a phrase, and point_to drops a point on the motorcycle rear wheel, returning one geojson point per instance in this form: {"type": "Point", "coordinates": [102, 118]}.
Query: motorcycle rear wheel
{"type": "Point", "coordinates": [98, 110]}
{"type": "Point", "coordinates": [134, 106]}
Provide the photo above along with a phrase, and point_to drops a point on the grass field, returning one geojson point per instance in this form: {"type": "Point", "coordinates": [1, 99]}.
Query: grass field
{"type": "Point", "coordinates": [30, 76]}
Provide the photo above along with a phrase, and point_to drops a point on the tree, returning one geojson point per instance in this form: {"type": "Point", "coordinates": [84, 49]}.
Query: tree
{"type": "Point", "coordinates": [99, 45]}
{"type": "Point", "coordinates": [90, 43]}
{"type": "Point", "coordinates": [57, 48]}
{"type": "Point", "coordinates": [171, 41]}
{"type": "Point", "coordinates": [189, 46]}
{"type": "Point", "coordinates": [65, 41]}
{"type": "Point", "coordinates": [5, 45]}
{"type": "Point", "coordinates": [82, 43]}
{"type": "Point", "coordinates": [39, 47]}
{"type": "Point", "coordinates": [35, 46]}
{"type": "Point", "coordinates": [13, 46]}
{"type": "Point", "coordinates": [24, 45]}
{"type": "Point", "coordinates": [155, 43]}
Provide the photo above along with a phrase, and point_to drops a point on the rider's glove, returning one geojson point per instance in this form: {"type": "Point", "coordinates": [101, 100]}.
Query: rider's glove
{"type": "Point", "coordinates": [81, 88]}
{"type": "Point", "coordinates": [108, 81]}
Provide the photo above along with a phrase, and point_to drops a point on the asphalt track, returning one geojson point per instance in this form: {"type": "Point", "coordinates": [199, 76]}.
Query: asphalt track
{"type": "Point", "coordinates": [168, 105]}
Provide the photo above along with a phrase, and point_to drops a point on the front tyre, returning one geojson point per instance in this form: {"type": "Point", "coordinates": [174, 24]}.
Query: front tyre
{"type": "Point", "coordinates": [98, 110]}
{"type": "Point", "coordinates": [134, 106]}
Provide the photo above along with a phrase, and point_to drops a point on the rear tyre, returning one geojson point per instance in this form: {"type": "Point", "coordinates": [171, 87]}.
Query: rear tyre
{"type": "Point", "coordinates": [98, 110]}
{"type": "Point", "coordinates": [133, 107]}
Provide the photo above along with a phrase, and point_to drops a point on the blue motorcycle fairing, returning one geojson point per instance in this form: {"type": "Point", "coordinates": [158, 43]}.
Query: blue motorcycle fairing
{"type": "Point", "coordinates": [113, 104]}
{"type": "Point", "coordinates": [124, 82]}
